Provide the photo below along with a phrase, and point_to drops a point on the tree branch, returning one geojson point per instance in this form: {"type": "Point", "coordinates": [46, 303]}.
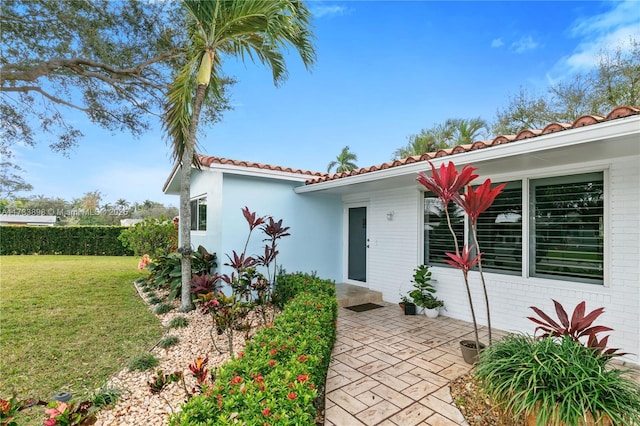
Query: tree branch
{"type": "Point", "coordinates": [25, 89]}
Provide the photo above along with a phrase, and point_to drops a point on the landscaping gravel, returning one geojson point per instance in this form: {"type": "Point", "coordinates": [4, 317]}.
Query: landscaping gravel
{"type": "Point", "coordinates": [137, 405]}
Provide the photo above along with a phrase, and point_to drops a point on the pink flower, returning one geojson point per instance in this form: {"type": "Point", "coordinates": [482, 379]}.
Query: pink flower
{"type": "Point", "coordinates": [303, 378]}
{"type": "Point", "coordinates": [144, 261]}
{"type": "Point", "coordinates": [475, 201]}
{"type": "Point", "coordinates": [292, 395]}
{"type": "Point", "coordinates": [462, 261]}
{"type": "Point", "coordinates": [50, 422]}
{"type": "Point", "coordinates": [266, 412]}
{"type": "Point", "coordinates": [447, 182]}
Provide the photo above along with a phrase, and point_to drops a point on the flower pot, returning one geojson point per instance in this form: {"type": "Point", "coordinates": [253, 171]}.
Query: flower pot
{"type": "Point", "coordinates": [469, 352]}
{"type": "Point", "coordinates": [432, 312]}
{"type": "Point", "coordinates": [409, 309]}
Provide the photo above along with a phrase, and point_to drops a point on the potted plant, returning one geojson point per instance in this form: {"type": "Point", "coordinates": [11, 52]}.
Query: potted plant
{"type": "Point", "coordinates": [407, 305]}
{"type": "Point", "coordinates": [423, 292]}
{"type": "Point", "coordinates": [432, 306]}
{"type": "Point", "coordinates": [447, 184]}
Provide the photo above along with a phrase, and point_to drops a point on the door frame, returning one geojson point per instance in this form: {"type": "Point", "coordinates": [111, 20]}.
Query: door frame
{"type": "Point", "coordinates": [345, 245]}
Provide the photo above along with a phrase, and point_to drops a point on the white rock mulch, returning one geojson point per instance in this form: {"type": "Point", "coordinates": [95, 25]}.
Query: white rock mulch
{"type": "Point", "coordinates": [137, 405]}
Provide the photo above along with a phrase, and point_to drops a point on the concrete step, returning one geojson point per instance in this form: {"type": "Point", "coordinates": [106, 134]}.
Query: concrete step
{"type": "Point", "coordinates": [350, 295]}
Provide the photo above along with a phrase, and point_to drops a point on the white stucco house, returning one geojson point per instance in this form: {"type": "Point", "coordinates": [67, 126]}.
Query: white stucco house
{"type": "Point", "coordinates": [567, 226]}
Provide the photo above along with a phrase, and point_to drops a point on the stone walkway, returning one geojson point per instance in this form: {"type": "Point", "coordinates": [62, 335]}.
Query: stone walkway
{"type": "Point", "coordinates": [389, 369]}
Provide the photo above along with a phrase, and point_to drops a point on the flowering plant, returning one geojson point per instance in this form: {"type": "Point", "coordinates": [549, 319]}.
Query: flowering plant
{"type": "Point", "coordinates": [69, 414]}
{"type": "Point", "coordinates": [450, 185]}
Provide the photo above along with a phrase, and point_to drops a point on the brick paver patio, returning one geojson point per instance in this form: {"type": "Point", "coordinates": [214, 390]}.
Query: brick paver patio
{"type": "Point", "coordinates": [391, 369]}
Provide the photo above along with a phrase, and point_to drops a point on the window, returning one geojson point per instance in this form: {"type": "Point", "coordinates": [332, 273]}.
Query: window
{"type": "Point", "coordinates": [499, 230]}
{"type": "Point", "coordinates": [437, 236]}
{"type": "Point", "coordinates": [199, 214]}
{"type": "Point", "coordinates": [566, 228]}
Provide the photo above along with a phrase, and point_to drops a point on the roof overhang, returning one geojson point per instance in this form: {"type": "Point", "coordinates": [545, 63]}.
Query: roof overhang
{"type": "Point", "coordinates": [172, 185]}
{"type": "Point", "coordinates": [609, 139]}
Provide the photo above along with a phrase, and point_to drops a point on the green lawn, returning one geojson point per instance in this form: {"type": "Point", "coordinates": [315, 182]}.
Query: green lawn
{"type": "Point", "coordinates": [67, 323]}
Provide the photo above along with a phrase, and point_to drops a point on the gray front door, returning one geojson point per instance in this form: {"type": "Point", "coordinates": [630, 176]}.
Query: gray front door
{"type": "Point", "coordinates": [357, 244]}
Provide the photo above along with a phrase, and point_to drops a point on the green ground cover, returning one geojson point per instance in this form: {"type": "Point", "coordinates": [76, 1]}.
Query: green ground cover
{"type": "Point", "coordinates": [67, 323]}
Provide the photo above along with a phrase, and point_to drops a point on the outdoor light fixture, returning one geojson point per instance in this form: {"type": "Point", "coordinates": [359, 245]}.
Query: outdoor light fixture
{"type": "Point", "coordinates": [62, 397]}
{"type": "Point", "coordinates": [390, 215]}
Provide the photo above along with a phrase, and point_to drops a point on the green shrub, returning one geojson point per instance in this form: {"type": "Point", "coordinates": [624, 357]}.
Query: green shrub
{"type": "Point", "coordinates": [166, 271]}
{"type": "Point", "coordinates": [105, 397]}
{"type": "Point", "coordinates": [154, 300]}
{"type": "Point", "coordinates": [168, 342]}
{"type": "Point", "coordinates": [289, 285]}
{"type": "Point", "coordinates": [67, 240]}
{"type": "Point", "coordinates": [163, 308]}
{"type": "Point", "coordinates": [144, 362]}
{"type": "Point", "coordinates": [280, 369]}
{"type": "Point", "coordinates": [559, 380]}
{"type": "Point", "coordinates": [153, 236]}
{"type": "Point", "coordinates": [178, 322]}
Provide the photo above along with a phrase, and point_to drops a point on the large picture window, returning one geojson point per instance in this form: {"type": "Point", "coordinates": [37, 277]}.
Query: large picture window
{"type": "Point", "coordinates": [566, 227]}
{"type": "Point", "coordinates": [199, 214]}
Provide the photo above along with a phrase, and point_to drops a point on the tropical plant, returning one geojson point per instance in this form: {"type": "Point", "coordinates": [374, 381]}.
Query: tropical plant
{"type": "Point", "coordinates": [260, 29]}
{"type": "Point", "coordinates": [552, 381]}
{"type": "Point", "coordinates": [454, 131]}
{"type": "Point", "coordinates": [344, 162]}
{"type": "Point", "coordinates": [446, 183]}
{"type": "Point", "coordinates": [423, 293]}
{"type": "Point", "coordinates": [580, 326]}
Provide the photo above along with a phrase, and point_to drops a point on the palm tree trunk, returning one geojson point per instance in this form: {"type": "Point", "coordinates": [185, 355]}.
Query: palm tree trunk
{"type": "Point", "coordinates": [185, 200]}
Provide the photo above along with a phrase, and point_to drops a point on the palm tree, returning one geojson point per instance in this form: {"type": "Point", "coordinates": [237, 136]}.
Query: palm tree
{"type": "Point", "coordinates": [344, 161]}
{"type": "Point", "coordinates": [259, 29]}
{"type": "Point", "coordinates": [454, 131]}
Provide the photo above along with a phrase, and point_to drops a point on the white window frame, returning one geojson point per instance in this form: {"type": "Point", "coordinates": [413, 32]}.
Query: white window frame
{"type": "Point", "coordinates": [195, 225]}
{"type": "Point", "coordinates": [526, 237]}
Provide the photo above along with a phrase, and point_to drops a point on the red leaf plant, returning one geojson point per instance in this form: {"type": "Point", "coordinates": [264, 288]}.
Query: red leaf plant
{"type": "Point", "coordinates": [463, 261]}
{"type": "Point", "coordinates": [578, 327]}
{"type": "Point", "coordinates": [476, 201]}
{"type": "Point", "coordinates": [447, 183]}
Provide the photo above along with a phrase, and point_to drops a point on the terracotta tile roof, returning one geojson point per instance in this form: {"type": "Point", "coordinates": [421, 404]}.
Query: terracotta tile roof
{"type": "Point", "coordinates": [585, 120]}
{"type": "Point", "coordinates": [207, 160]}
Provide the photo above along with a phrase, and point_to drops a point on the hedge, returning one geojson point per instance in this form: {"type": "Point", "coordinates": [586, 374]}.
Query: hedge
{"type": "Point", "coordinates": [276, 380]}
{"type": "Point", "coordinates": [67, 240]}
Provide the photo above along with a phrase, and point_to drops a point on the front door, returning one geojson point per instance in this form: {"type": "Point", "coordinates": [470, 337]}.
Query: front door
{"type": "Point", "coordinates": [357, 244]}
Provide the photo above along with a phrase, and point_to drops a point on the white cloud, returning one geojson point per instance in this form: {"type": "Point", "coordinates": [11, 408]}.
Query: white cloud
{"type": "Point", "coordinates": [320, 11]}
{"type": "Point", "coordinates": [599, 33]}
{"type": "Point", "coordinates": [524, 44]}
{"type": "Point", "coordinates": [497, 42]}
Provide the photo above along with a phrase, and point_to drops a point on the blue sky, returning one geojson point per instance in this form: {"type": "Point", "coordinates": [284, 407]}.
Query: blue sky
{"type": "Point", "coordinates": [385, 70]}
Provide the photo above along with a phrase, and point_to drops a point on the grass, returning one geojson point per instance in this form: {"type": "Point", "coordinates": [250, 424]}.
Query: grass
{"type": "Point", "coordinates": [68, 323]}
{"type": "Point", "coordinates": [178, 322]}
{"type": "Point", "coordinates": [163, 308]}
{"type": "Point", "coordinates": [144, 362]}
{"type": "Point", "coordinates": [168, 342]}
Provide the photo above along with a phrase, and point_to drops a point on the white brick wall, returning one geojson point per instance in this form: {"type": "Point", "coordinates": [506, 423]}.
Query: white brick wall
{"type": "Point", "coordinates": [394, 252]}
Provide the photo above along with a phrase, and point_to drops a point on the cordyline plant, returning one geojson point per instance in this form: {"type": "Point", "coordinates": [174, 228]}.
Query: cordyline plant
{"type": "Point", "coordinates": [578, 327]}
{"type": "Point", "coordinates": [250, 289]}
{"type": "Point", "coordinates": [449, 185]}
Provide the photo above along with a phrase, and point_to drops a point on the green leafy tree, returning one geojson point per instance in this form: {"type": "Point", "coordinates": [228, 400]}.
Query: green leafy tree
{"type": "Point", "coordinates": [260, 29]}
{"type": "Point", "coordinates": [344, 162]}
{"type": "Point", "coordinates": [108, 62]}
{"type": "Point", "coordinates": [11, 182]}
{"type": "Point", "coordinates": [615, 81]}
{"type": "Point", "coordinates": [454, 131]}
